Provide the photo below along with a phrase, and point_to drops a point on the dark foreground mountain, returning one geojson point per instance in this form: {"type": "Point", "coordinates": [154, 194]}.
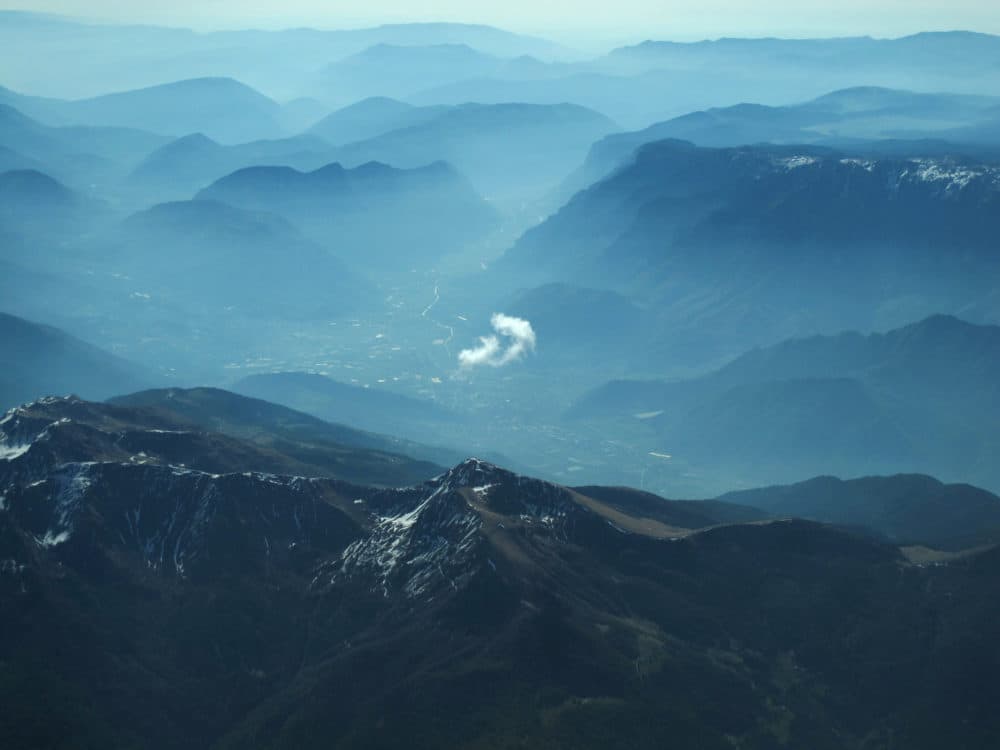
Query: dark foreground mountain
{"type": "Point", "coordinates": [295, 432]}
{"type": "Point", "coordinates": [919, 398]}
{"type": "Point", "coordinates": [37, 359]}
{"type": "Point", "coordinates": [480, 609]}
{"type": "Point", "coordinates": [157, 428]}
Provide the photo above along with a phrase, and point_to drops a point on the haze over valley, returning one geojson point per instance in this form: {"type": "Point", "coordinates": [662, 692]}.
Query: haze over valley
{"type": "Point", "coordinates": [718, 319]}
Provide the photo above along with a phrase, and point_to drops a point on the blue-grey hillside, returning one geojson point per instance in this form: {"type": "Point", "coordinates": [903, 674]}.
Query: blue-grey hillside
{"type": "Point", "coordinates": [38, 360]}
{"type": "Point", "coordinates": [372, 212]}
{"type": "Point", "coordinates": [509, 151]}
{"type": "Point", "coordinates": [370, 117]}
{"type": "Point", "coordinates": [872, 115]}
{"type": "Point", "coordinates": [182, 167]}
{"type": "Point", "coordinates": [36, 206]}
{"type": "Point", "coordinates": [745, 246]}
{"type": "Point", "coordinates": [913, 508]}
{"type": "Point", "coordinates": [396, 71]}
{"type": "Point", "coordinates": [222, 108]}
{"type": "Point", "coordinates": [919, 398]}
{"type": "Point", "coordinates": [658, 80]}
{"type": "Point", "coordinates": [64, 57]}
{"type": "Point", "coordinates": [212, 258]}
{"type": "Point", "coordinates": [80, 156]}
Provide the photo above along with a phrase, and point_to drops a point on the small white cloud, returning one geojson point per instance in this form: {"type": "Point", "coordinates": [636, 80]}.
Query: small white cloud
{"type": "Point", "coordinates": [518, 334]}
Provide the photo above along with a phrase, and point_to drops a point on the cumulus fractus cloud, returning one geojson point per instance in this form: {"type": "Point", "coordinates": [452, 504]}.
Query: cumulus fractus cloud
{"type": "Point", "coordinates": [511, 340]}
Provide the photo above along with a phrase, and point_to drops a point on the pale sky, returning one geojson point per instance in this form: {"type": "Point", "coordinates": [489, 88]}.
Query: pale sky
{"type": "Point", "coordinates": [584, 20]}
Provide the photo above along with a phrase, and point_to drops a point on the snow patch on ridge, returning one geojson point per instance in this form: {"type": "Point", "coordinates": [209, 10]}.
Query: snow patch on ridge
{"type": "Point", "coordinates": [10, 452]}
{"type": "Point", "coordinates": [414, 551]}
{"type": "Point", "coordinates": [955, 176]}
{"type": "Point", "coordinates": [71, 485]}
{"type": "Point", "coordinates": [794, 162]}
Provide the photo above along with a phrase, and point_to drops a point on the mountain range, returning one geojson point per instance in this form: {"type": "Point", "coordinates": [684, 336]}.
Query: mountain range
{"type": "Point", "coordinates": [720, 320]}
{"type": "Point", "coordinates": [635, 85]}
{"type": "Point", "coordinates": [78, 155]}
{"type": "Point", "coordinates": [758, 243]}
{"type": "Point", "coordinates": [370, 212]}
{"type": "Point", "coordinates": [390, 70]}
{"type": "Point", "coordinates": [534, 612]}
{"type": "Point", "coordinates": [655, 80]}
{"type": "Point", "coordinates": [188, 164]}
{"type": "Point", "coordinates": [63, 57]}
{"type": "Point", "coordinates": [941, 123]}
{"type": "Point", "coordinates": [920, 397]}
{"type": "Point", "coordinates": [485, 143]}
{"type": "Point", "coordinates": [222, 108]}
{"type": "Point", "coordinates": [292, 441]}
{"type": "Point", "coordinates": [904, 508]}
{"type": "Point", "coordinates": [509, 151]}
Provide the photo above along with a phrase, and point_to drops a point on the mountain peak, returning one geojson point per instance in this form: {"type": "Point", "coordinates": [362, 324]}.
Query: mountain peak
{"type": "Point", "coordinates": [474, 473]}
{"type": "Point", "coordinates": [441, 535]}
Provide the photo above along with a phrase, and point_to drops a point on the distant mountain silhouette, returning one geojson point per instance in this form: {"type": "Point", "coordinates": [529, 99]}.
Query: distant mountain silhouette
{"type": "Point", "coordinates": [64, 57]}
{"type": "Point", "coordinates": [76, 155]}
{"type": "Point", "coordinates": [222, 108]}
{"type": "Point", "coordinates": [213, 256]}
{"type": "Point", "coordinates": [508, 151]}
{"type": "Point", "coordinates": [922, 396]}
{"type": "Point", "coordinates": [855, 55]}
{"type": "Point", "coordinates": [684, 514]}
{"type": "Point", "coordinates": [39, 208]}
{"type": "Point", "coordinates": [840, 117]}
{"type": "Point", "coordinates": [371, 117]}
{"type": "Point", "coordinates": [912, 509]}
{"type": "Point", "coordinates": [769, 242]}
{"type": "Point", "coordinates": [370, 212]}
{"type": "Point", "coordinates": [367, 408]}
{"type": "Point", "coordinates": [391, 70]}
{"type": "Point", "coordinates": [39, 360]}
{"type": "Point", "coordinates": [183, 167]}
{"type": "Point", "coordinates": [657, 81]}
